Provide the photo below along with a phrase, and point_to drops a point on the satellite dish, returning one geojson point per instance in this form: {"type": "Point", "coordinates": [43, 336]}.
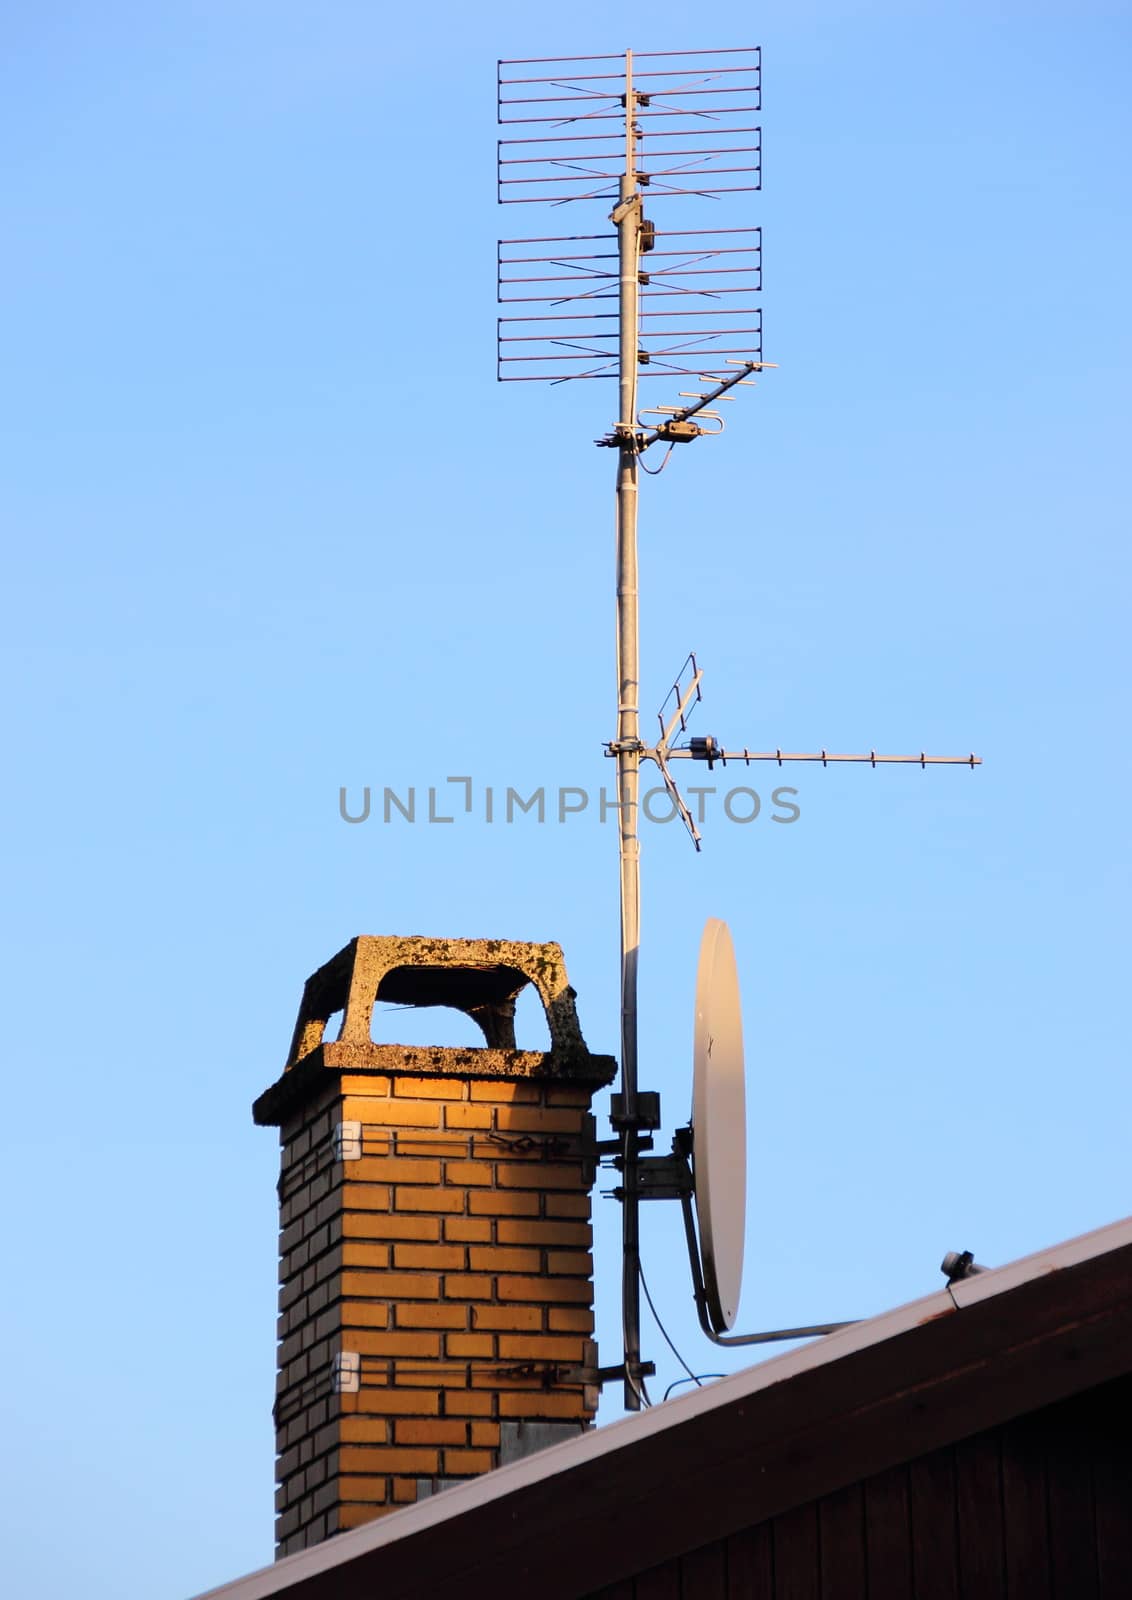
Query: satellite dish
{"type": "Point", "coordinates": [719, 1123]}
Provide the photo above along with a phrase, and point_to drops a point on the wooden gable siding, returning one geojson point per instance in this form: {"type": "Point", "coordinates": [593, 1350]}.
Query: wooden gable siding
{"type": "Point", "coordinates": [1040, 1509]}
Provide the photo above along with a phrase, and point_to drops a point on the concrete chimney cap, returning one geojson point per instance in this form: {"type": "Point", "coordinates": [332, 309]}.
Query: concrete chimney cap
{"type": "Point", "coordinates": [480, 977]}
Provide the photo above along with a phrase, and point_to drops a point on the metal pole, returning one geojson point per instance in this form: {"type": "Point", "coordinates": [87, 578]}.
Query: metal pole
{"type": "Point", "coordinates": [627, 217]}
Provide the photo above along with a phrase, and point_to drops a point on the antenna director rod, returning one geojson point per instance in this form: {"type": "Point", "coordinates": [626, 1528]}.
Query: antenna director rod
{"type": "Point", "coordinates": [826, 757]}
{"type": "Point", "coordinates": [627, 219]}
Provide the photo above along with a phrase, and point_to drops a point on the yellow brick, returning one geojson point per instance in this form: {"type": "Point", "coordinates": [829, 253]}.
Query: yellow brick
{"type": "Point", "coordinates": [544, 1289]}
{"type": "Point", "coordinates": [391, 1114]}
{"type": "Point", "coordinates": [425, 1346]}
{"type": "Point", "coordinates": [503, 1205]}
{"type": "Point", "coordinates": [404, 1491]}
{"type": "Point", "coordinates": [491, 1259]}
{"type": "Point", "coordinates": [361, 1285]}
{"type": "Point", "coordinates": [569, 1097]}
{"type": "Point", "coordinates": [431, 1089]}
{"type": "Point", "coordinates": [470, 1174]}
{"type": "Point", "coordinates": [568, 1205]}
{"type": "Point", "coordinates": [376, 1142]}
{"type": "Point", "coordinates": [366, 1225]}
{"type": "Point", "coordinates": [466, 1286]}
{"type": "Point", "coordinates": [410, 1199]}
{"type": "Point", "coordinates": [544, 1349]}
{"type": "Point", "coordinates": [541, 1405]}
{"type": "Point", "coordinates": [365, 1197]}
{"type": "Point", "coordinates": [363, 1430]}
{"type": "Point", "coordinates": [538, 1175]}
{"type": "Point", "coordinates": [469, 1345]}
{"type": "Point", "coordinates": [494, 1089]}
{"type": "Point", "coordinates": [437, 1256]}
{"type": "Point", "coordinates": [467, 1116]}
{"type": "Point", "coordinates": [539, 1233]}
{"type": "Point", "coordinates": [364, 1314]}
{"type": "Point", "coordinates": [384, 1401]}
{"type": "Point", "coordinates": [485, 1434]}
{"type": "Point", "coordinates": [382, 1460]}
{"type": "Point", "coordinates": [413, 1431]}
{"type": "Point", "coordinates": [370, 1492]}
{"type": "Point", "coordinates": [475, 1228]}
{"type": "Point", "coordinates": [391, 1285]}
{"type": "Point", "coordinates": [571, 1319]}
{"type": "Point", "coordinates": [367, 1085]}
{"type": "Point", "coordinates": [535, 1119]}
{"type": "Point", "coordinates": [356, 1253]}
{"type": "Point", "coordinates": [465, 1463]}
{"type": "Point", "coordinates": [469, 1405]}
{"type": "Point", "coordinates": [393, 1169]}
{"type": "Point", "coordinates": [354, 1516]}
{"type": "Point", "coordinates": [515, 1319]}
{"type": "Point", "coordinates": [579, 1262]}
{"type": "Point", "coordinates": [431, 1316]}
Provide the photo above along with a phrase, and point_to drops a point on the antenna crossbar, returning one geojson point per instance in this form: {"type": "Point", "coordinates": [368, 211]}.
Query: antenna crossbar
{"type": "Point", "coordinates": [619, 77]}
{"type": "Point", "coordinates": [641, 55]}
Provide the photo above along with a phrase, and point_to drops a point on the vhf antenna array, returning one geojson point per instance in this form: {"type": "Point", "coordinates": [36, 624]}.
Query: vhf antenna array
{"type": "Point", "coordinates": [640, 303]}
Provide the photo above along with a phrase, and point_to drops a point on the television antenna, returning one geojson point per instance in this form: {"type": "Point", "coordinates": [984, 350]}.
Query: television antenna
{"type": "Point", "coordinates": [639, 304]}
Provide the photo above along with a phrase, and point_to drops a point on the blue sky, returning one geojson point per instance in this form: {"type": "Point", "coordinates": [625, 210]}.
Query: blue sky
{"type": "Point", "coordinates": [272, 528]}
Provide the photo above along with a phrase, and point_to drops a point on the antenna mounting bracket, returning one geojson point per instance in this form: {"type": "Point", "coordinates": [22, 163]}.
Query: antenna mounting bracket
{"type": "Point", "coordinates": [679, 432]}
{"type": "Point", "coordinates": [661, 1178]}
{"type": "Point", "coordinates": [647, 1115]}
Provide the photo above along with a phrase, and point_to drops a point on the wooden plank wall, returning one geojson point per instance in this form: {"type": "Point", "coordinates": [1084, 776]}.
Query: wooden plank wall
{"type": "Point", "coordinates": [1040, 1509]}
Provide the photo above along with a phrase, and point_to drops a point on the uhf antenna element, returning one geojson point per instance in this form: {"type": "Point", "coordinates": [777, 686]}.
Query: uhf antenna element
{"type": "Point", "coordinates": [642, 303]}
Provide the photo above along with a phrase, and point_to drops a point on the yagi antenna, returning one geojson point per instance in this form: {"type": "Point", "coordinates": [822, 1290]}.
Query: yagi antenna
{"type": "Point", "coordinates": [639, 304]}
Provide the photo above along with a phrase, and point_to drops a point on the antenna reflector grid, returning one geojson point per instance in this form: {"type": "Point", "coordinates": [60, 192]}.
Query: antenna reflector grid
{"type": "Point", "coordinates": [565, 129]}
{"type": "Point", "coordinates": [698, 305]}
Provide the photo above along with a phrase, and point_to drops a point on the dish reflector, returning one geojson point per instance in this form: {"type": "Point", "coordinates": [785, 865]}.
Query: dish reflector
{"type": "Point", "coordinates": [719, 1122]}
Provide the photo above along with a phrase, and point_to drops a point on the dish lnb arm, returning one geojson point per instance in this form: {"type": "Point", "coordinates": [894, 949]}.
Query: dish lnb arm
{"type": "Point", "coordinates": [682, 1148]}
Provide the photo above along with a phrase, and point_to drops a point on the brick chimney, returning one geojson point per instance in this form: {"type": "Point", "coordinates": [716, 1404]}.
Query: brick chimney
{"type": "Point", "coordinates": [435, 1269]}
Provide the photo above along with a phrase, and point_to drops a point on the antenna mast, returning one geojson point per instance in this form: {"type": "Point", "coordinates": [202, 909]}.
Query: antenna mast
{"type": "Point", "coordinates": [627, 219]}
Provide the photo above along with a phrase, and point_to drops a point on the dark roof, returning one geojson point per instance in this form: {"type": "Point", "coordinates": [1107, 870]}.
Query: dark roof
{"type": "Point", "coordinates": [627, 1496]}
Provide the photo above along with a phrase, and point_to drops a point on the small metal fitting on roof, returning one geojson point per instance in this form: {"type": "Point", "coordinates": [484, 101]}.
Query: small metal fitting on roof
{"type": "Point", "coordinates": [959, 1264]}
